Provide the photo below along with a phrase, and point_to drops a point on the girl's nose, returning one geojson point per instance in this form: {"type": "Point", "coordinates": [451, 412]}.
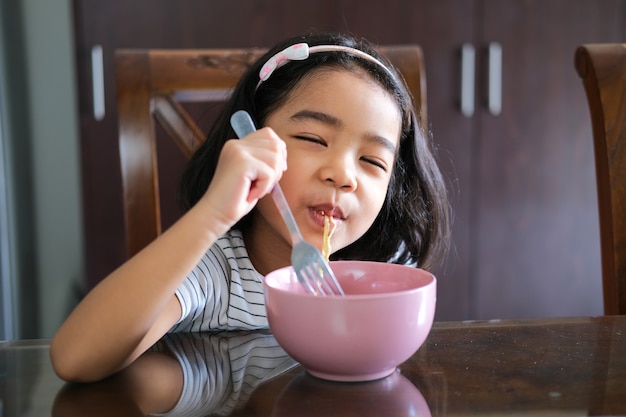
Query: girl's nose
{"type": "Point", "coordinates": [341, 173]}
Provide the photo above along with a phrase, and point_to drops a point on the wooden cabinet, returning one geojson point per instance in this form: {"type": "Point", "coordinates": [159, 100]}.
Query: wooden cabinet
{"type": "Point", "coordinates": [526, 238]}
{"type": "Point", "coordinates": [535, 241]}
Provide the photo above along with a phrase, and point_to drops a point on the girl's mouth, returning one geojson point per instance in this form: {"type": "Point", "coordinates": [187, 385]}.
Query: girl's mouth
{"type": "Point", "coordinates": [319, 213]}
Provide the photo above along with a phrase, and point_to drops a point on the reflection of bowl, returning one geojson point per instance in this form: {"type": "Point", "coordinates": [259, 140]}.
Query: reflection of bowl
{"type": "Point", "coordinates": [391, 396]}
{"type": "Point", "coordinates": [384, 318]}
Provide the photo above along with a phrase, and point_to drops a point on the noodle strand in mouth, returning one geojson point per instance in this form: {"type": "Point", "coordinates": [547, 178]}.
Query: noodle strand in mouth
{"type": "Point", "coordinates": [329, 228]}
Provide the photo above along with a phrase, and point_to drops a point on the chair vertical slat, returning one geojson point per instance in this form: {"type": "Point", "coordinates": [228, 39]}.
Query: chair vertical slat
{"type": "Point", "coordinates": [137, 151]}
{"type": "Point", "coordinates": [602, 68]}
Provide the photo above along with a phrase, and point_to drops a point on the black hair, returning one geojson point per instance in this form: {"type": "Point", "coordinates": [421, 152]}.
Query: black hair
{"type": "Point", "coordinates": [413, 224]}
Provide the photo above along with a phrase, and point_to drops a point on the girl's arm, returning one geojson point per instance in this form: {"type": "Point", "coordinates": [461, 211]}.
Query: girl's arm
{"type": "Point", "coordinates": [135, 306]}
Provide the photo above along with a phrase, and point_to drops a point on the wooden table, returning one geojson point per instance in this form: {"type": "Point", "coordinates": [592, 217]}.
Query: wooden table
{"type": "Point", "coordinates": [573, 366]}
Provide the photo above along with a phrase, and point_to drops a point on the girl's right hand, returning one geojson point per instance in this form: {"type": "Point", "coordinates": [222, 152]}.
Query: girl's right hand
{"type": "Point", "coordinates": [247, 170]}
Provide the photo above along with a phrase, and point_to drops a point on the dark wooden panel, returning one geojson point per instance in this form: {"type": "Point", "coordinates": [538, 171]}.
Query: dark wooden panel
{"type": "Point", "coordinates": [536, 228]}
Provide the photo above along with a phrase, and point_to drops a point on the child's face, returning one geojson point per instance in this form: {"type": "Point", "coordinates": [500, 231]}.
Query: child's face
{"type": "Point", "coordinates": [342, 131]}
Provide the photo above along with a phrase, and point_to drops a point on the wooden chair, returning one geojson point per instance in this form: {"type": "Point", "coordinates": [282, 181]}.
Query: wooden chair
{"type": "Point", "coordinates": [152, 85]}
{"type": "Point", "coordinates": [602, 68]}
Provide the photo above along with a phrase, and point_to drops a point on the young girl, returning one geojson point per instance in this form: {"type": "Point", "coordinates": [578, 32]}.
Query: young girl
{"type": "Point", "coordinates": [340, 133]}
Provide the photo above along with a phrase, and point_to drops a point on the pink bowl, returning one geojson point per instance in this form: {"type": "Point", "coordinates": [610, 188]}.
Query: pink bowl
{"type": "Point", "coordinates": [384, 318]}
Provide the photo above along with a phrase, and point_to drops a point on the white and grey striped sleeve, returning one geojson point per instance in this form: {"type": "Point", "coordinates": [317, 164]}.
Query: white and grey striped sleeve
{"type": "Point", "coordinates": [224, 291]}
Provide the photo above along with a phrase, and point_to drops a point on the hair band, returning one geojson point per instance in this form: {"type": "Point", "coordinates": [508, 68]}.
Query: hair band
{"type": "Point", "coordinates": [301, 51]}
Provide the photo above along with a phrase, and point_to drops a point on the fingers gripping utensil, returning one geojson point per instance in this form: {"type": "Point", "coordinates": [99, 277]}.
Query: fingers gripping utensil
{"type": "Point", "coordinates": [311, 268]}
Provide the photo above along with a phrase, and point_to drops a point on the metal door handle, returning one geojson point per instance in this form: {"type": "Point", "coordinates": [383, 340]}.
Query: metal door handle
{"type": "Point", "coordinates": [97, 82]}
{"type": "Point", "coordinates": [468, 68]}
{"type": "Point", "coordinates": [494, 102]}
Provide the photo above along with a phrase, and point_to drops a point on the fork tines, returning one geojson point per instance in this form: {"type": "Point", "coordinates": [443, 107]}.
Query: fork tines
{"type": "Point", "coordinates": [319, 280]}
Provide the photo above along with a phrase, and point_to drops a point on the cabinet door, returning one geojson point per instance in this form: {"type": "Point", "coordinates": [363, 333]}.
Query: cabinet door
{"type": "Point", "coordinates": [441, 28]}
{"type": "Point", "coordinates": [535, 232]}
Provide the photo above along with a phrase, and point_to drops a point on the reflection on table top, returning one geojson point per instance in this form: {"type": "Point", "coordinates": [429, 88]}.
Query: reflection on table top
{"type": "Point", "coordinates": [565, 366]}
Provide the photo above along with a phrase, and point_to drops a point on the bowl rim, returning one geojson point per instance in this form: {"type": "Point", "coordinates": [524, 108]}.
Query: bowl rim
{"type": "Point", "coordinates": [406, 292]}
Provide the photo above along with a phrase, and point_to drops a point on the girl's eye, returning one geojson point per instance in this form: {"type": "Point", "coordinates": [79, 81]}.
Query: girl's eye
{"type": "Point", "coordinates": [311, 139]}
{"type": "Point", "coordinates": [375, 163]}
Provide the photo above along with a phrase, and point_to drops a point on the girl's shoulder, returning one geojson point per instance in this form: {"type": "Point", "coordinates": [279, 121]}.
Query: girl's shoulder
{"type": "Point", "coordinates": [231, 248]}
{"type": "Point", "coordinates": [232, 244]}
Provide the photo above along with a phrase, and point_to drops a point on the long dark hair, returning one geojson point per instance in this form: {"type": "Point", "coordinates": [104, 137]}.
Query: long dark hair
{"type": "Point", "coordinates": [413, 225]}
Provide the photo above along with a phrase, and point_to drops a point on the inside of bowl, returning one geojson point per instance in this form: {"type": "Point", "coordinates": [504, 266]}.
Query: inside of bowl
{"type": "Point", "coordinates": [285, 279]}
{"type": "Point", "coordinates": [377, 278]}
{"type": "Point", "coordinates": [359, 278]}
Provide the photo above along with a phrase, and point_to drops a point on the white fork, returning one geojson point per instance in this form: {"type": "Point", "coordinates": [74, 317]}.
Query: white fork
{"type": "Point", "coordinates": [311, 268]}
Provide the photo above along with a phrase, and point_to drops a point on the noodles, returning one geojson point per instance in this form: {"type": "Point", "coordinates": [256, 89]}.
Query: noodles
{"type": "Point", "coordinates": [329, 228]}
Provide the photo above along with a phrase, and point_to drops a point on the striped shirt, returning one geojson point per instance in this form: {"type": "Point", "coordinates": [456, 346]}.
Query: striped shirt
{"type": "Point", "coordinates": [223, 292]}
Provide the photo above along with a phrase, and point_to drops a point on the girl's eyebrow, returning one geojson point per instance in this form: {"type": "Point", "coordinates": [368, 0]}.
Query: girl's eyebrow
{"type": "Point", "coordinates": [332, 121]}
{"type": "Point", "coordinates": [318, 116]}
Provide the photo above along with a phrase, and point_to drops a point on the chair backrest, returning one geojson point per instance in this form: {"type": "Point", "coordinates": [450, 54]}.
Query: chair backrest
{"type": "Point", "coordinates": [602, 68]}
{"type": "Point", "coordinates": [151, 86]}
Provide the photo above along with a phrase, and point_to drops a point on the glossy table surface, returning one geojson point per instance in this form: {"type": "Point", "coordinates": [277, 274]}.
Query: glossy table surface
{"type": "Point", "coordinates": [565, 367]}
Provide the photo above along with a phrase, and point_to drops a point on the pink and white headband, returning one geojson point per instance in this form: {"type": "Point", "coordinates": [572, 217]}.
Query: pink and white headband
{"type": "Point", "coordinates": [301, 51]}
